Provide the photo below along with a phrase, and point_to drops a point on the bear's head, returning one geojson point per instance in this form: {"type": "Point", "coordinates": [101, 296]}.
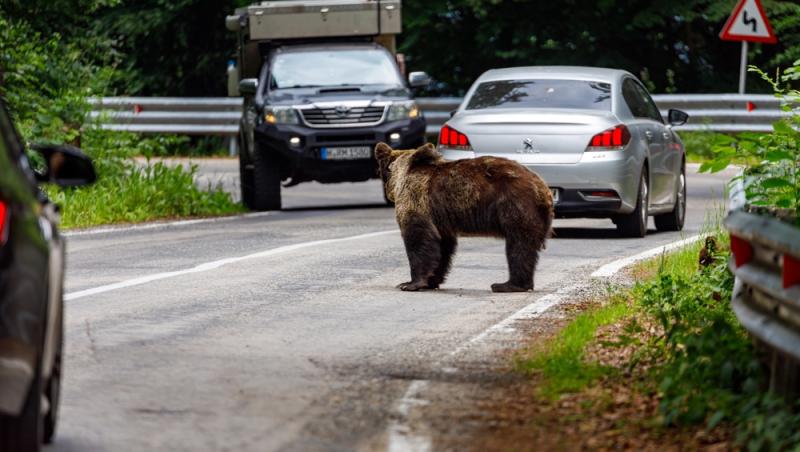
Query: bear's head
{"type": "Point", "coordinates": [392, 162]}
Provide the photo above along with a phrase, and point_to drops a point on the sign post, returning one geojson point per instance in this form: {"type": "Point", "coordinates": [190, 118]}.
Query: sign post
{"type": "Point", "coordinates": [748, 23]}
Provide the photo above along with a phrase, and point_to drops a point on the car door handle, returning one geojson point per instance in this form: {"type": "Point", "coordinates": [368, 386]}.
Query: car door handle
{"type": "Point", "coordinates": [649, 135]}
{"type": "Point", "coordinates": [667, 136]}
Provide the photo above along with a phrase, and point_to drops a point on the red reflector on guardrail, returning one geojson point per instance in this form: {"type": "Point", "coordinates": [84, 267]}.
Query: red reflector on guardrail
{"type": "Point", "coordinates": [791, 271]}
{"type": "Point", "coordinates": [742, 250]}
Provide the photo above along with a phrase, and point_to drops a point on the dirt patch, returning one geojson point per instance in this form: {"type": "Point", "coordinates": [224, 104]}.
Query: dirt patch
{"type": "Point", "coordinates": [507, 412]}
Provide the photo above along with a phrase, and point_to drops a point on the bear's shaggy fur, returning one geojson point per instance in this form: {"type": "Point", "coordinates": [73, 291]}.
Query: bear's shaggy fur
{"type": "Point", "coordinates": [436, 201]}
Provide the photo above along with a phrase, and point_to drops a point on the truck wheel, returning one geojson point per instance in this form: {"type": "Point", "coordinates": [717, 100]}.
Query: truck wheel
{"type": "Point", "coordinates": [266, 181]}
{"type": "Point", "coordinates": [389, 202]}
{"type": "Point", "coordinates": [23, 433]}
{"type": "Point", "coordinates": [246, 181]}
{"type": "Point", "coordinates": [634, 224]}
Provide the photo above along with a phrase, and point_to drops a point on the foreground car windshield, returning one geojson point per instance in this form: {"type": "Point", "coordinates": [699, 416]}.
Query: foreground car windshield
{"type": "Point", "coordinates": [333, 68]}
{"type": "Point", "coordinates": [542, 93]}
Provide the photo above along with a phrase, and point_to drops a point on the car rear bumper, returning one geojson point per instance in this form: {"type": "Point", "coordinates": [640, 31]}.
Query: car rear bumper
{"type": "Point", "coordinates": [609, 171]}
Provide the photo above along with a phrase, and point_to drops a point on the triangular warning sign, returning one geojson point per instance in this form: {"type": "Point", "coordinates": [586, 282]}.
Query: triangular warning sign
{"type": "Point", "coordinates": [748, 23]}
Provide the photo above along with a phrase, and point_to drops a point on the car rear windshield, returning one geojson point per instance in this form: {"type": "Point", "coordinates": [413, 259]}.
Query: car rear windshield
{"type": "Point", "coordinates": [542, 93]}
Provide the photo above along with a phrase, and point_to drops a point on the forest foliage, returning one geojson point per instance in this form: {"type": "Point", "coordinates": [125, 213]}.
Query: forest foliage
{"type": "Point", "coordinates": [181, 47]}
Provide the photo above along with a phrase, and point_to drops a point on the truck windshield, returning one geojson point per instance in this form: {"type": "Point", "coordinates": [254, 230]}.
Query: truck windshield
{"type": "Point", "coordinates": [320, 68]}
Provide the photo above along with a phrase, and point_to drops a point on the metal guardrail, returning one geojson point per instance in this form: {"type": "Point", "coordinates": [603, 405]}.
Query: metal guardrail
{"type": "Point", "coordinates": [220, 115]}
{"type": "Point", "coordinates": [707, 112]}
{"type": "Point", "coordinates": [178, 115]}
{"type": "Point", "coordinates": [766, 296]}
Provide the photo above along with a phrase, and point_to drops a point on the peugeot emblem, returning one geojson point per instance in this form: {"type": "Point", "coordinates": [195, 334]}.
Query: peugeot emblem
{"type": "Point", "coordinates": [342, 110]}
{"type": "Point", "coordinates": [528, 144]}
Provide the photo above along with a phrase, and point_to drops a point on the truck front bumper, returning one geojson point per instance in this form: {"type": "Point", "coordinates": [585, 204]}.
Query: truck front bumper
{"type": "Point", "coordinates": [304, 161]}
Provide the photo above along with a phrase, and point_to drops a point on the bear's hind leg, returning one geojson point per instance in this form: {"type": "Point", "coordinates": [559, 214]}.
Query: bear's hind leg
{"type": "Point", "coordinates": [522, 254]}
{"type": "Point", "coordinates": [423, 248]}
{"type": "Point", "coordinates": [447, 248]}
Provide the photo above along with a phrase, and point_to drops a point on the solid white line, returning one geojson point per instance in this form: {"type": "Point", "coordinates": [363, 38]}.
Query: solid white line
{"type": "Point", "coordinates": [610, 269]}
{"type": "Point", "coordinates": [160, 225]}
{"type": "Point", "coordinates": [216, 264]}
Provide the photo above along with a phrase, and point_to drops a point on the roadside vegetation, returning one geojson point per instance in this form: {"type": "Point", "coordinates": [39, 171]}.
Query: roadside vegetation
{"type": "Point", "coordinates": [46, 83]}
{"type": "Point", "coordinates": [771, 176]}
{"type": "Point", "coordinates": [671, 342]}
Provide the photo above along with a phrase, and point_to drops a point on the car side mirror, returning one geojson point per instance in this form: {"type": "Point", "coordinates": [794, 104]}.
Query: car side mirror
{"type": "Point", "coordinates": [248, 86]}
{"type": "Point", "coordinates": [677, 117]}
{"type": "Point", "coordinates": [419, 79]}
{"type": "Point", "coordinates": [64, 165]}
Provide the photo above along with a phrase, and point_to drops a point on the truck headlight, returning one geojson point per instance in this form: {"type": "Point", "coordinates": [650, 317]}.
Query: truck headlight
{"type": "Point", "coordinates": [280, 115]}
{"type": "Point", "coordinates": [403, 110]}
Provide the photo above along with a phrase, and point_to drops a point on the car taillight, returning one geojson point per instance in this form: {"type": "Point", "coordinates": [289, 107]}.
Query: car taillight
{"type": "Point", "coordinates": [453, 139]}
{"type": "Point", "coordinates": [615, 138]}
{"type": "Point", "coordinates": [3, 222]}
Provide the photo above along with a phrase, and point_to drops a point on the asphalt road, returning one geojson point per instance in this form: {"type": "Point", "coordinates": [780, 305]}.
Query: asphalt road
{"type": "Point", "coordinates": [283, 331]}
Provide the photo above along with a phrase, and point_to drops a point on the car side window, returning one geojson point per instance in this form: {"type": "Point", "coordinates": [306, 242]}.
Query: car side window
{"type": "Point", "coordinates": [650, 106]}
{"type": "Point", "coordinates": [640, 103]}
{"type": "Point", "coordinates": [631, 96]}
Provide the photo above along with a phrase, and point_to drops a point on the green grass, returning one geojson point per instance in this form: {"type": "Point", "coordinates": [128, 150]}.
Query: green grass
{"type": "Point", "coordinates": [561, 361]}
{"type": "Point", "coordinates": [126, 192]}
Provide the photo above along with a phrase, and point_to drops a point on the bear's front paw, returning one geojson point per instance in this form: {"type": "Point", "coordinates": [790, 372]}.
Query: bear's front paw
{"type": "Point", "coordinates": [509, 287]}
{"type": "Point", "coordinates": [412, 286]}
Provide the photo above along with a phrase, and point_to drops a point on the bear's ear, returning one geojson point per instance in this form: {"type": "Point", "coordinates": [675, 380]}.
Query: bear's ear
{"type": "Point", "coordinates": [427, 153]}
{"type": "Point", "coordinates": [382, 151]}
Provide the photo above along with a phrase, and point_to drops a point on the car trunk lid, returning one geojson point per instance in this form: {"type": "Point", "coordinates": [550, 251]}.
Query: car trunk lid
{"type": "Point", "coordinates": [532, 136]}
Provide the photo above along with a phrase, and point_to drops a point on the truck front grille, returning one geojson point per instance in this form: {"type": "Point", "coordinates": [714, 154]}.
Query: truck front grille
{"type": "Point", "coordinates": [331, 118]}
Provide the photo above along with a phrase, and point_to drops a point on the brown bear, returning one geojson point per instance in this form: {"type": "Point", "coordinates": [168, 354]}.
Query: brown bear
{"type": "Point", "coordinates": [437, 200]}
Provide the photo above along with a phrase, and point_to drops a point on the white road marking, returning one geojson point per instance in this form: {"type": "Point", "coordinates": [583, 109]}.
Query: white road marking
{"type": "Point", "coordinates": [402, 438]}
{"type": "Point", "coordinates": [217, 264]}
{"type": "Point", "coordinates": [610, 269]}
{"type": "Point", "coordinates": [160, 225]}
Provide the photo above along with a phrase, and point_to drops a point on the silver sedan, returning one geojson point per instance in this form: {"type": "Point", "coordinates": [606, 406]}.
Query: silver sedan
{"type": "Point", "coordinates": [594, 135]}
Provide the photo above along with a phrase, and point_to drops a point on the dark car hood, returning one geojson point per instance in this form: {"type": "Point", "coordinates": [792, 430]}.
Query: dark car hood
{"type": "Point", "coordinates": [302, 96]}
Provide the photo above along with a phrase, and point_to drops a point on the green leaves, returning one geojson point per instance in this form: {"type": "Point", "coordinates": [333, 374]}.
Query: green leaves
{"type": "Point", "coordinates": [783, 128]}
{"type": "Point", "coordinates": [772, 161]}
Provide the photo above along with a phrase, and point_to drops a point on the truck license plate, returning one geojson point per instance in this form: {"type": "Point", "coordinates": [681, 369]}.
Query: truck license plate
{"type": "Point", "coordinates": [346, 153]}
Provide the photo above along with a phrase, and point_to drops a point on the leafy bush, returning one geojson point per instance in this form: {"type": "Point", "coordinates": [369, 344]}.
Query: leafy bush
{"type": "Point", "coordinates": [772, 171]}
{"type": "Point", "coordinates": [709, 370]}
{"type": "Point", "coordinates": [46, 82]}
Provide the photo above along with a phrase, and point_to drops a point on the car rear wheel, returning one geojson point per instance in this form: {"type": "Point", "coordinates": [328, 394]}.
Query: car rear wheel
{"type": "Point", "coordinates": [673, 221]}
{"type": "Point", "coordinates": [23, 433]}
{"type": "Point", "coordinates": [266, 181]}
{"type": "Point", "coordinates": [634, 224]}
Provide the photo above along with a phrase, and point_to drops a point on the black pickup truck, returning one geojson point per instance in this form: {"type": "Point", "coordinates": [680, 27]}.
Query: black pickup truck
{"type": "Point", "coordinates": [315, 113]}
